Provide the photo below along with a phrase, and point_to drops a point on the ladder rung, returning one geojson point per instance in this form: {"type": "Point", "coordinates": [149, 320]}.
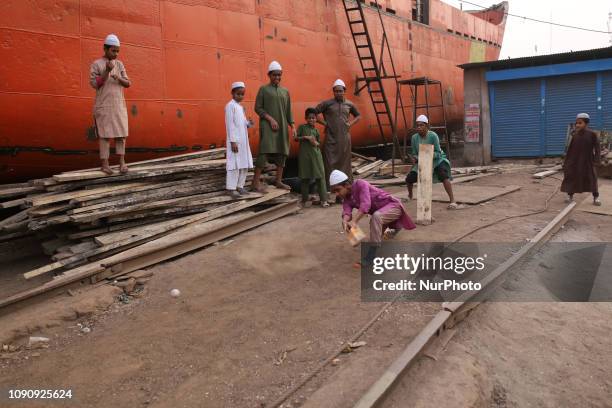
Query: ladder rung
{"type": "Point", "coordinates": [381, 112]}
{"type": "Point", "coordinates": [360, 33]}
{"type": "Point", "coordinates": [363, 46]}
{"type": "Point", "coordinates": [352, 9]}
{"type": "Point", "coordinates": [356, 22]}
{"type": "Point", "coordinates": [369, 69]}
{"type": "Point", "coordinates": [365, 58]}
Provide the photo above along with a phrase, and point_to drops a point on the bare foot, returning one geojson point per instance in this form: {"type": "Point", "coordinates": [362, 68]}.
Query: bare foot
{"type": "Point", "coordinates": [282, 186]}
{"type": "Point", "coordinates": [259, 189]}
{"type": "Point", "coordinates": [107, 170]}
{"type": "Point", "coordinates": [123, 169]}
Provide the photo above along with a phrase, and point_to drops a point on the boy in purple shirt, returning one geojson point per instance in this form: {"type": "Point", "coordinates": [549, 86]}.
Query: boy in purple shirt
{"type": "Point", "coordinates": [385, 210]}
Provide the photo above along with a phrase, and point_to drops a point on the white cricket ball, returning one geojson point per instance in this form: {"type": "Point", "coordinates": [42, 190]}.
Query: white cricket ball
{"type": "Point", "coordinates": [175, 293]}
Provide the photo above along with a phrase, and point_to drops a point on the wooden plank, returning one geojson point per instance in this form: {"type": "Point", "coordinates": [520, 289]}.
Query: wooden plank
{"type": "Point", "coordinates": [97, 174]}
{"type": "Point", "coordinates": [18, 191]}
{"type": "Point", "coordinates": [218, 152]}
{"type": "Point", "coordinates": [359, 156]}
{"type": "Point", "coordinates": [225, 231]}
{"type": "Point", "coordinates": [54, 198]}
{"type": "Point", "coordinates": [50, 209]}
{"type": "Point", "coordinates": [469, 194]}
{"type": "Point", "coordinates": [439, 323]}
{"type": "Point", "coordinates": [182, 242]}
{"type": "Point", "coordinates": [368, 167]}
{"type": "Point", "coordinates": [20, 216]}
{"type": "Point", "coordinates": [13, 203]}
{"type": "Point", "coordinates": [605, 195]}
{"type": "Point", "coordinates": [424, 187]}
{"type": "Point", "coordinates": [150, 235]}
{"type": "Point", "coordinates": [378, 390]}
{"type": "Point", "coordinates": [198, 199]}
{"type": "Point", "coordinates": [547, 173]}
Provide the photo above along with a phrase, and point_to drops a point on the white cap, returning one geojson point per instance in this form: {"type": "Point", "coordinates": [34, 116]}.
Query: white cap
{"type": "Point", "coordinates": [583, 116]}
{"type": "Point", "coordinates": [237, 85]}
{"type": "Point", "coordinates": [337, 177]}
{"type": "Point", "coordinates": [274, 66]}
{"type": "Point", "coordinates": [339, 82]}
{"type": "Point", "coordinates": [422, 118]}
{"type": "Point", "coordinates": [112, 39]}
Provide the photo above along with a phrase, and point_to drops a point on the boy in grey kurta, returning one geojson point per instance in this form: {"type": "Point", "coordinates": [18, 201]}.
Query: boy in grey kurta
{"type": "Point", "coordinates": [337, 147]}
{"type": "Point", "coordinates": [273, 106]}
{"type": "Point", "coordinates": [108, 77]}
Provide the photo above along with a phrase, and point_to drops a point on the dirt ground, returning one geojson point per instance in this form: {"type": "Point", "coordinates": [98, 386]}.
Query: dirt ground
{"type": "Point", "coordinates": [261, 311]}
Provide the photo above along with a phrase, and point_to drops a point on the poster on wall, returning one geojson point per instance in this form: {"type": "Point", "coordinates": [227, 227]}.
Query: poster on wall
{"type": "Point", "coordinates": [472, 123]}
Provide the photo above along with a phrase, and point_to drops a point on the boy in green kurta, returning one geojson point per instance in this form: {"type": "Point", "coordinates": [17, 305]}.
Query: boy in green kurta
{"type": "Point", "coordinates": [310, 160]}
{"type": "Point", "coordinates": [273, 106]}
{"type": "Point", "coordinates": [441, 165]}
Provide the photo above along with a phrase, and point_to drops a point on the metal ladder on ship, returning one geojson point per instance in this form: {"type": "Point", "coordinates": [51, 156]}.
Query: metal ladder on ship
{"type": "Point", "coordinates": [373, 72]}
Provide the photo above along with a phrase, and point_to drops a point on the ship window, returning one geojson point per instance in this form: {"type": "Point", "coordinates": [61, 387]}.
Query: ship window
{"type": "Point", "coordinates": [420, 11]}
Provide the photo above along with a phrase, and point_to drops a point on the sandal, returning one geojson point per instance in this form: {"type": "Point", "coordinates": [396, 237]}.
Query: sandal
{"type": "Point", "coordinates": [597, 202]}
{"type": "Point", "coordinates": [325, 204]}
{"type": "Point", "coordinates": [124, 169]}
{"type": "Point", "coordinates": [453, 206]}
{"type": "Point", "coordinates": [282, 186]}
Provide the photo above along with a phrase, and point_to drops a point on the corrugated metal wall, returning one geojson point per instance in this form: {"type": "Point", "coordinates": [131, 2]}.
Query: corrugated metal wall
{"type": "Point", "coordinates": [530, 116]}
{"type": "Point", "coordinates": [515, 112]}
{"type": "Point", "coordinates": [606, 100]}
{"type": "Point", "coordinates": [566, 96]}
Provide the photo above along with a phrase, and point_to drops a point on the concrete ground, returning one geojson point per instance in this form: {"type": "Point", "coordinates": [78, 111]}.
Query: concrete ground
{"type": "Point", "coordinates": [256, 315]}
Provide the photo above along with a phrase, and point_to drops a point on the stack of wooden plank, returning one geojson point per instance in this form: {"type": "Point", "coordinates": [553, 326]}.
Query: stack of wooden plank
{"type": "Point", "coordinates": [364, 166]}
{"type": "Point", "coordinates": [86, 216]}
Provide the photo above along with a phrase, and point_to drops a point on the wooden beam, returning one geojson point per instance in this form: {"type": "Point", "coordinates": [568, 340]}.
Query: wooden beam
{"type": "Point", "coordinates": [441, 322]}
{"type": "Point", "coordinates": [424, 187]}
{"type": "Point", "coordinates": [224, 231]}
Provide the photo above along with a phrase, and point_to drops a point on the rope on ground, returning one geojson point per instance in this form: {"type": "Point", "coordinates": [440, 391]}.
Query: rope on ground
{"type": "Point", "coordinates": [279, 401]}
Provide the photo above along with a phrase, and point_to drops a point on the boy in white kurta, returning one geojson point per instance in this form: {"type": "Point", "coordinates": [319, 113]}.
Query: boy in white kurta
{"type": "Point", "coordinates": [239, 157]}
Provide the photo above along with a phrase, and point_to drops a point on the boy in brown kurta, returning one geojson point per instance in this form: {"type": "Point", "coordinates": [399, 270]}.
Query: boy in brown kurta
{"type": "Point", "coordinates": [108, 77]}
{"type": "Point", "coordinates": [583, 153]}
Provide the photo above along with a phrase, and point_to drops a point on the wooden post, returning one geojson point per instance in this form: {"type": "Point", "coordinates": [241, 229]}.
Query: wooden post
{"type": "Point", "coordinates": [424, 185]}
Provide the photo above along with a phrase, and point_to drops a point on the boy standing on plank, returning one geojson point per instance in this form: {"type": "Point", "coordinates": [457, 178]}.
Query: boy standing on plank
{"type": "Point", "coordinates": [273, 106]}
{"type": "Point", "coordinates": [310, 160]}
{"type": "Point", "coordinates": [108, 77]}
{"type": "Point", "coordinates": [441, 170]}
{"type": "Point", "coordinates": [239, 158]}
{"type": "Point", "coordinates": [583, 152]}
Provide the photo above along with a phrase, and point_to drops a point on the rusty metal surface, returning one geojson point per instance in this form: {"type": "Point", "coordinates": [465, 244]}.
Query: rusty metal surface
{"type": "Point", "coordinates": [182, 55]}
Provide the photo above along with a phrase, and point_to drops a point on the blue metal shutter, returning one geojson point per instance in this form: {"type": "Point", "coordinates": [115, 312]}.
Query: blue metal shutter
{"type": "Point", "coordinates": [566, 96]}
{"type": "Point", "coordinates": [515, 111]}
{"type": "Point", "coordinates": [606, 100]}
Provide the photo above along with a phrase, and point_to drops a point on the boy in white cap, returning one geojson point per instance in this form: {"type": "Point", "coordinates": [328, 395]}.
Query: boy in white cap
{"type": "Point", "coordinates": [583, 152]}
{"type": "Point", "coordinates": [385, 210]}
{"type": "Point", "coordinates": [273, 106]}
{"type": "Point", "coordinates": [441, 165]}
{"type": "Point", "coordinates": [337, 121]}
{"type": "Point", "coordinates": [239, 158]}
{"type": "Point", "coordinates": [108, 77]}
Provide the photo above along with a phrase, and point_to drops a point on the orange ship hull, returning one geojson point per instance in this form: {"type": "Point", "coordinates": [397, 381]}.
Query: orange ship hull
{"type": "Point", "coordinates": [182, 56]}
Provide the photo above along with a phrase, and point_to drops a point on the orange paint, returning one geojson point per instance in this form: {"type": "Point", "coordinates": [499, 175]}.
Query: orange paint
{"type": "Point", "coordinates": [182, 56]}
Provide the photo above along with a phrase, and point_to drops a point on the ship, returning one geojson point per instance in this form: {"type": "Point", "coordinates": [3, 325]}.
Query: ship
{"type": "Point", "coordinates": [182, 56]}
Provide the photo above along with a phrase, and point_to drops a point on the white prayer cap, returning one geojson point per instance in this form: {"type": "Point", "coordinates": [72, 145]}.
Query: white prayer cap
{"type": "Point", "coordinates": [339, 82]}
{"type": "Point", "coordinates": [274, 66]}
{"type": "Point", "coordinates": [238, 85]}
{"type": "Point", "coordinates": [422, 118]}
{"type": "Point", "coordinates": [583, 116]}
{"type": "Point", "coordinates": [112, 39]}
{"type": "Point", "coordinates": [337, 177]}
